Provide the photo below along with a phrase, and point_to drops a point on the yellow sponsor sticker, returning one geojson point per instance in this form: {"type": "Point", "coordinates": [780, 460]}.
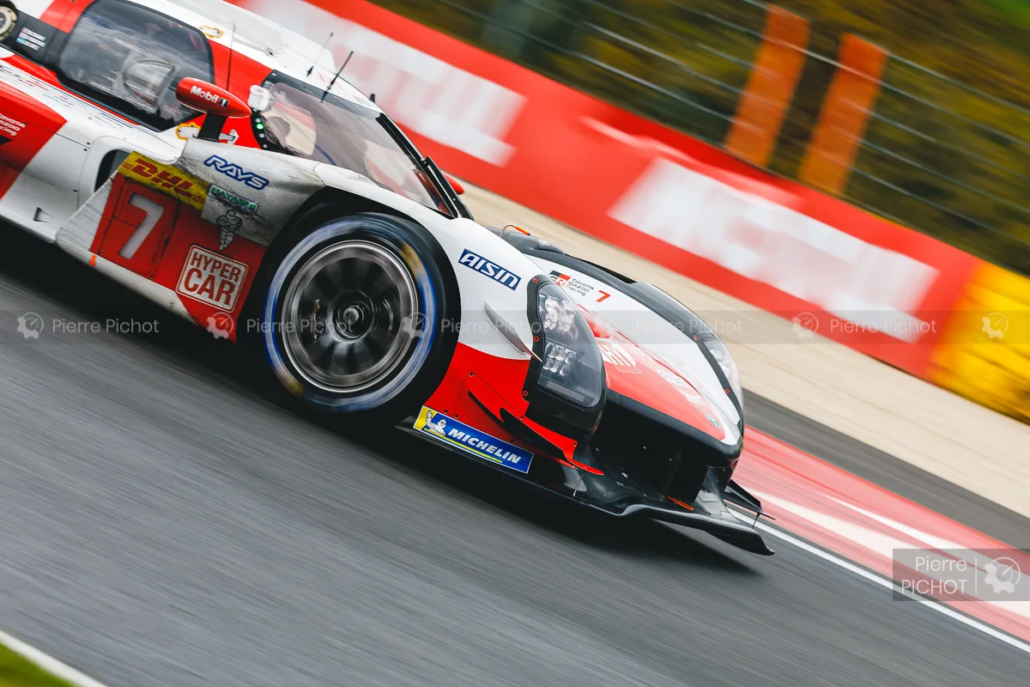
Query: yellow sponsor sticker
{"type": "Point", "coordinates": [474, 441]}
{"type": "Point", "coordinates": [187, 131]}
{"type": "Point", "coordinates": [169, 180]}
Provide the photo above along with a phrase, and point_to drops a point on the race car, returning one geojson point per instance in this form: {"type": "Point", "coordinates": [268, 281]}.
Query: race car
{"type": "Point", "coordinates": [225, 169]}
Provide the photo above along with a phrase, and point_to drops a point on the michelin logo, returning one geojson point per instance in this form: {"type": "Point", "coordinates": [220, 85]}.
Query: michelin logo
{"type": "Point", "coordinates": [481, 444]}
{"type": "Point", "coordinates": [489, 269]}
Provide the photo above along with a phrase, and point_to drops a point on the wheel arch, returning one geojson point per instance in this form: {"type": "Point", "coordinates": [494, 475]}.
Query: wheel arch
{"type": "Point", "coordinates": [324, 204]}
{"type": "Point", "coordinates": [331, 213]}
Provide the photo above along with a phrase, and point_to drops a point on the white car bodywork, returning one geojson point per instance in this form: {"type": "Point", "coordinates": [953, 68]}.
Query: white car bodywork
{"type": "Point", "coordinates": [54, 195]}
{"type": "Point", "coordinates": [54, 199]}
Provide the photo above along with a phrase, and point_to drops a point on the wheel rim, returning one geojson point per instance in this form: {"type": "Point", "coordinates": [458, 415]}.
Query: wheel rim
{"type": "Point", "coordinates": [348, 316]}
{"type": "Point", "coordinates": [8, 20]}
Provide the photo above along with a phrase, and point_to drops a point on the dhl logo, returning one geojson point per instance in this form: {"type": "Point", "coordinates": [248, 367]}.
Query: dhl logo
{"type": "Point", "coordinates": [167, 179]}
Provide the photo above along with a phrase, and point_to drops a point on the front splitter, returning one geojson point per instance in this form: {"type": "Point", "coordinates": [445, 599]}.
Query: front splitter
{"type": "Point", "coordinates": [624, 499]}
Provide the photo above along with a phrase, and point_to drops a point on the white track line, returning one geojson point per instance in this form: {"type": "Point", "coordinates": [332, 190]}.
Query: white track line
{"type": "Point", "coordinates": [47, 662]}
{"type": "Point", "coordinates": [890, 584]}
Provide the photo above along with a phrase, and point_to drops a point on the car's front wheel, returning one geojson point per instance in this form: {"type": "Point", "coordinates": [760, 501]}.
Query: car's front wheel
{"type": "Point", "coordinates": [355, 316]}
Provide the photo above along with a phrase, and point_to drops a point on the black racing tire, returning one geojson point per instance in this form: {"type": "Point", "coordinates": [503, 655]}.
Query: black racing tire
{"type": "Point", "coordinates": [356, 314]}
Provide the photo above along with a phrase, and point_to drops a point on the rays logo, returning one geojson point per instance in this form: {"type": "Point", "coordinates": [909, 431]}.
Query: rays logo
{"type": "Point", "coordinates": [490, 269]}
{"type": "Point", "coordinates": [234, 171]}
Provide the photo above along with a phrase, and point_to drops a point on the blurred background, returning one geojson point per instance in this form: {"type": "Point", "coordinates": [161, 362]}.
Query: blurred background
{"type": "Point", "coordinates": [166, 520]}
{"type": "Point", "coordinates": [943, 147]}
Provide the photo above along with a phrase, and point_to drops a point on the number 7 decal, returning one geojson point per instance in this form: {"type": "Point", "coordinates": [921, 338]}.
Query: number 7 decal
{"type": "Point", "coordinates": [135, 226]}
{"type": "Point", "coordinates": [153, 214]}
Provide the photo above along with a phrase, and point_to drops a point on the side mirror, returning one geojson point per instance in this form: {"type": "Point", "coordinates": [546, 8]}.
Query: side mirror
{"type": "Point", "coordinates": [217, 102]}
{"type": "Point", "coordinates": [207, 97]}
{"type": "Point", "coordinates": [458, 188]}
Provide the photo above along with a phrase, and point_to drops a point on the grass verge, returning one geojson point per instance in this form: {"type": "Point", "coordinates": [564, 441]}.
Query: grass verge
{"type": "Point", "coordinates": [18, 671]}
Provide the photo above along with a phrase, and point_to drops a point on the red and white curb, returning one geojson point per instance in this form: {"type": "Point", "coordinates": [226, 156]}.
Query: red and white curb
{"type": "Point", "coordinates": [48, 662]}
{"type": "Point", "coordinates": [861, 527]}
{"type": "Point", "coordinates": [893, 587]}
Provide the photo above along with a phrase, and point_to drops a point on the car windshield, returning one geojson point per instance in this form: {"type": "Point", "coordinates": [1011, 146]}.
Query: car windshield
{"type": "Point", "coordinates": [130, 58]}
{"type": "Point", "coordinates": [301, 120]}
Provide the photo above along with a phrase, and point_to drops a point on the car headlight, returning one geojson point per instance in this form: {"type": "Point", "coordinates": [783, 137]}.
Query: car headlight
{"type": "Point", "coordinates": [567, 382]}
{"type": "Point", "coordinates": [572, 367]}
{"type": "Point", "coordinates": [723, 358]}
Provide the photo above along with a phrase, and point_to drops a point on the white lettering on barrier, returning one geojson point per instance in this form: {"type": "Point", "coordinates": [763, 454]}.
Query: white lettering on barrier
{"type": "Point", "coordinates": [425, 94]}
{"type": "Point", "coordinates": [845, 276]}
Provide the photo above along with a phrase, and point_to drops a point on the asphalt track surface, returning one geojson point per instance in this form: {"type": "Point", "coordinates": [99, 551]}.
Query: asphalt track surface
{"type": "Point", "coordinates": [165, 521]}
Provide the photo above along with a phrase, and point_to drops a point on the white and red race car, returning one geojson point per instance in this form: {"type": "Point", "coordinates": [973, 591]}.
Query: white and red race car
{"type": "Point", "coordinates": [222, 167]}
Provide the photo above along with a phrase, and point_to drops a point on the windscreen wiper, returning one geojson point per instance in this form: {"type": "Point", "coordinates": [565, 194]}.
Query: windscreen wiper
{"type": "Point", "coordinates": [427, 167]}
{"type": "Point", "coordinates": [441, 180]}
